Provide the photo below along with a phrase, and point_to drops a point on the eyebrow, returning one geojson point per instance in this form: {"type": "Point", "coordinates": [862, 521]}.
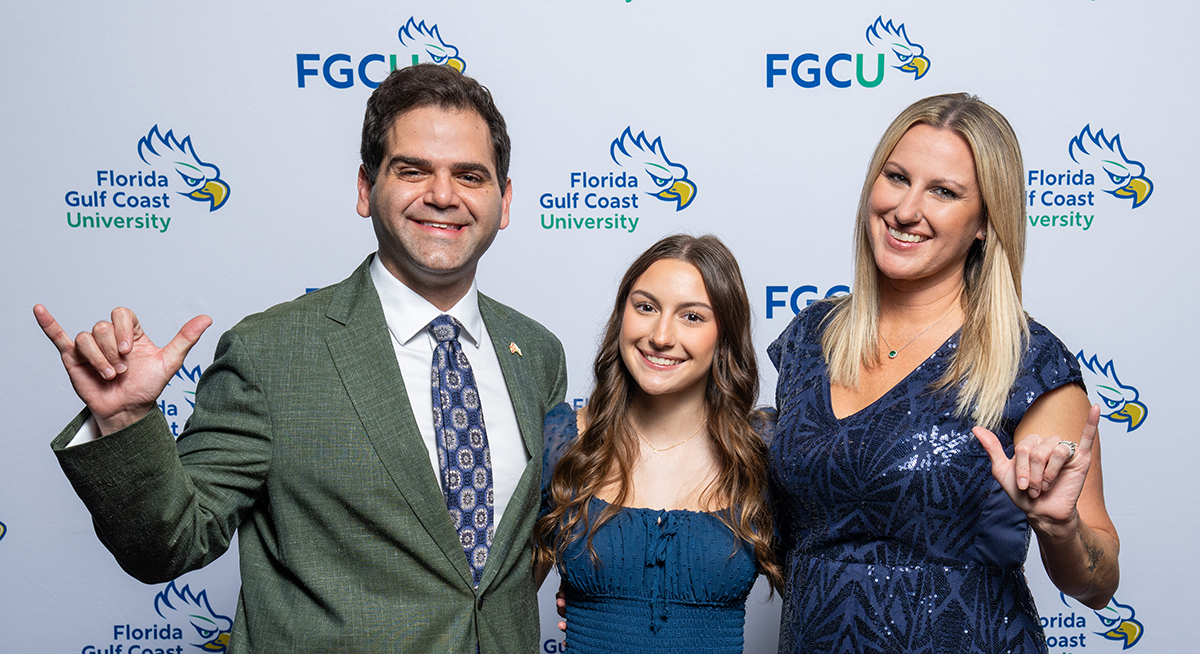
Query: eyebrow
{"type": "Point", "coordinates": [941, 181]}
{"type": "Point", "coordinates": [685, 305]}
{"type": "Point", "coordinates": [458, 166]}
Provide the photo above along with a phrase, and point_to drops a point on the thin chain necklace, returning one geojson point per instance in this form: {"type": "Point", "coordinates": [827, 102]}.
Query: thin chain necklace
{"type": "Point", "coordinates": [655, 449]}
{"type": "Point", "coordinates": [892, 353]}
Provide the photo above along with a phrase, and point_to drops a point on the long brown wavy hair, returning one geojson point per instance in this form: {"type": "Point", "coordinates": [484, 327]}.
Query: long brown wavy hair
{"type": "Point", "coordinates": [604, 452]}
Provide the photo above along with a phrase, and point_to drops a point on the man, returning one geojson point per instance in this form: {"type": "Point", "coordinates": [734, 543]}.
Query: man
{"type": "Point", "coordinates": [313, 430]}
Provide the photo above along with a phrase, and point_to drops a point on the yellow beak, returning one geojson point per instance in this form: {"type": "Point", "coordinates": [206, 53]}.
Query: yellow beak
{"type": "Point", "coordinates": [682, 191]}
{"type": "Point", "coordinates": [918, 65]}
{"type": "Point", "coordinates": [214, 190]}
{"type": "Point", "coordinates": [1138, 188]}
{"type": "Point", "coordinates": [1134, 412]}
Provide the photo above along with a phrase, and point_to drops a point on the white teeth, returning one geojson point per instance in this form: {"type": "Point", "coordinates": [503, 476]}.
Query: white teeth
{"type": "Point", "coordinates": [661, 361]}
{"type": "Point", "coordinates": [440, 225]}
{"type": "Point", "coordinates": [907, 238]}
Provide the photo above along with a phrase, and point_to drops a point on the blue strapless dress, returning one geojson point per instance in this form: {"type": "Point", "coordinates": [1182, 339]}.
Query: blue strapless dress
{"type": "Point", "coordinates": [898, 539]}
{"type": "Point", "coordinates": [667, 581]}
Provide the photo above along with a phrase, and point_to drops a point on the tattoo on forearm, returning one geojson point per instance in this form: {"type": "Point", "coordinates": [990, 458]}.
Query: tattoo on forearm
{"type": "Point", "coordinates": [1094, 552]}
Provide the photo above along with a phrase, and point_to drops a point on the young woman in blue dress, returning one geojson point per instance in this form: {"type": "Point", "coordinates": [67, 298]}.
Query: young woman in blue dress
{"type": "Point", "coordinates": [655, 496]}
{"type": "Point", "coordinates": [903, 530]}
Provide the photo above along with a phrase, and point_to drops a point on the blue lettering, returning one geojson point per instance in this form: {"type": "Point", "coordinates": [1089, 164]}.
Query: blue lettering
{"type": "Point", "coordinates": [841, 84]}
{"type": "Point", "coordinates": [303, 71]}
{"type": "Point", "coordinates": [772, 302]}
{"type": "Point", "coordinates": [362, 69]}
{"type": "Point", "coordinates": [812, 82]}
{"type": "Point", "coordinates": [347, 79]}
{"type": "Point", "coordinates": [772, 71]}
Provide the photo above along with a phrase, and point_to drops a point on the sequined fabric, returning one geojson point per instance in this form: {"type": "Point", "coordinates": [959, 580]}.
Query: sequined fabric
{"type": "Point", "coordinates": [668, 581]}
{"type": "Point", "coordinates": [897, 537]}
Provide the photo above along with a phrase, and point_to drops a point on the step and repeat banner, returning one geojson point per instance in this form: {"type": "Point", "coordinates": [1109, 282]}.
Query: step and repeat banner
{"type": "Point", "coordinates": [181, 159]}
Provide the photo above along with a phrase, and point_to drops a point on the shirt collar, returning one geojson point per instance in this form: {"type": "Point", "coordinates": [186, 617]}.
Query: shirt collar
{"type": "Point", "coordinates": [408, 314]}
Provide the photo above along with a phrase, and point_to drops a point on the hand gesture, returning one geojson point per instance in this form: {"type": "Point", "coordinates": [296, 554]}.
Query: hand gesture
{"type": "Point", "coordinates": [1043, 478]}
{"type": "Point", "coordinates": [115, 368]}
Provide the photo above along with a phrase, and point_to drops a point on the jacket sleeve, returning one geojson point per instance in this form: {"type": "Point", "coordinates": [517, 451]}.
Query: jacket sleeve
{"type": "Point", "coordinates": [163, 507]}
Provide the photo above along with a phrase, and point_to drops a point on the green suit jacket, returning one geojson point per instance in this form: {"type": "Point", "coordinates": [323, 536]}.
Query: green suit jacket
{"type": "Point", "coordinates": [303, 441]}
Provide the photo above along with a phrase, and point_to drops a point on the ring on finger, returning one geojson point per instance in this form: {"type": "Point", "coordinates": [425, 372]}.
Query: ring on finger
{"type": "Point", "coordinates": [1070, 446]}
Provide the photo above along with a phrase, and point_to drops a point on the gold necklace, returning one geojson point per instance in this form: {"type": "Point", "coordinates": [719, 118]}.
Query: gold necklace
{"type": "Point", "coordinates": [892, 353]}
{"type": "Point", "coordinates": [655, 449]}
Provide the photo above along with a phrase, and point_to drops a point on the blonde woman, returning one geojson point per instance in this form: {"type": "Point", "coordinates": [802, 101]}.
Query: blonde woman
{"type": "Point", "coordinates": [903, 530]}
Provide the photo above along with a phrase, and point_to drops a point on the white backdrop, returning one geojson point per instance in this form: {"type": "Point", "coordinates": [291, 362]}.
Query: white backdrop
{"type": "Point", "coordinates": [760, 105]}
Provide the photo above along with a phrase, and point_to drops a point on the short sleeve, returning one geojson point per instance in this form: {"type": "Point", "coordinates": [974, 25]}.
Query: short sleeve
{"type": "Point", "coordinates": [1047, 365]}
{"type": "Point", "coordinates": [559, 430]}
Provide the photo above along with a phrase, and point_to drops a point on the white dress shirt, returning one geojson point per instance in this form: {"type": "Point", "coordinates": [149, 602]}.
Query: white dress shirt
{"type": "Point", "coordinates": [408, 316]}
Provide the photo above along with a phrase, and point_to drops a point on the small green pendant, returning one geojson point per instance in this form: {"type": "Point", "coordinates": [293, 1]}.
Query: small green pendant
{"type": "Point", "coordinates": [892, 354]}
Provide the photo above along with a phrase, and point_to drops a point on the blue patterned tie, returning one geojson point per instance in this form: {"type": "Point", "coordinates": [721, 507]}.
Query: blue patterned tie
{"type": "Point", "coordinates": [462, 446]}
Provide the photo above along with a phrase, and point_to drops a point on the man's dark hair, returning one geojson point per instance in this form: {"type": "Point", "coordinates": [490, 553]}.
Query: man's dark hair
{"type": "Point", "coordinates": [425, 85]}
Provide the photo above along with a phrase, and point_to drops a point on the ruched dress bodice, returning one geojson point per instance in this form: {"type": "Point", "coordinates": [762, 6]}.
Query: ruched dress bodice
{"type": "Point", "coordinates": [663, 581]}
{"type": "Point", "coordinates": [898, 539]}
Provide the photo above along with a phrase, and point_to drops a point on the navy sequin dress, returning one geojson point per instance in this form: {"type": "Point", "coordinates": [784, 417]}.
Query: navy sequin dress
{"type": "Point", "coordinates": [897, 537]}
{"type": "Point", "coordinates": [668, 581]}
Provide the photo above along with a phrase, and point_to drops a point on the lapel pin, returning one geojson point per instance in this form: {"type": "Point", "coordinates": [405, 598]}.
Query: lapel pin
{"type": "Point", "coordinates": [512, 347]}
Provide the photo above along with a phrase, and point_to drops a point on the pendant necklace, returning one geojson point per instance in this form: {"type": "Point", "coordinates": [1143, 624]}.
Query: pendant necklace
{"type": "Point", "coordinates": [892, 353]}
{"type": "Point", "coordinates": [657, 450]}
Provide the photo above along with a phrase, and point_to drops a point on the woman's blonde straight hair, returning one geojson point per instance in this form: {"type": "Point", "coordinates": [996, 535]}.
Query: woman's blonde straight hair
{"type": "Point", "coordinates": [995, 331]}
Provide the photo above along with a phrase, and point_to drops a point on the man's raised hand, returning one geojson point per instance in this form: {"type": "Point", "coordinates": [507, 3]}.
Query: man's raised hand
{"type": "Point", "coordinates": [115, 368]}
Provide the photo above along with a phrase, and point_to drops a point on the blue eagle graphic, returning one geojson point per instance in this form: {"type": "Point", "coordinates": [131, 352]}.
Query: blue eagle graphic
{"type": "Point", "coordinates": [1098, 151]}
{"type": "Point", "coordinates": [421, 38]}
{"type": "Point", "coordinates": [1118, 618]}
{"type": "Point", "coordinates": [1118, 402]}
{"type": "Point", "coordinates": [671, 178]}
{"type": "Point", "coordinates": [203, 179]}
{"type": "Point", "coordinates": [3, 530]}
{"type": "Point", "coordinates": [911, 56]}
{"type": "Point", "coordinates": [211, 627]}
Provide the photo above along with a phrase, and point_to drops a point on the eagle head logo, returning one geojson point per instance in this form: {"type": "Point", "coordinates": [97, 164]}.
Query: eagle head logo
{"type": "Point", "coordinates": [3, 530]}
{"type": "Point", "coordinates": [1118, 619]}
{"type": "Point", "coordinates": [419, 38]}
{"type": "Point", "coordinates": [671, 179]}
{"type": "Point", "coordinates": [202, 179]}
{"type": "Point", "coordinates": [211, 628]}
{"type": "Point", "coordinates": [1127, 176]}
{"type": "Point", "coordinates": [1118, 402]}
{"type": "Point", "coordinates": [910, 56]}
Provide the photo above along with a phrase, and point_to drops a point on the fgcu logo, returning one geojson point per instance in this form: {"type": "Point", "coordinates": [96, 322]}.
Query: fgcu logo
{"type": "Point", "coordinates": [615, 194]}
{"type": "Point", "coordinates": [1116, 622]}
{"type": "Point", "coordinates": [210, 630]}
{"type": "Point", "coordinates": [1072, 192]}
{"type": "Point", "coordinates": [669, 178]}
{"type": "Point", "coordinates": [418, 43]}
{"type": "Point", "coordinates": [3, 530]}
{"type": "Point", "coordinates": [890, 47]}
{"type": "Point", "coordinates": [1118, 402]}
{"type": "Point", "coordinates": [179, 397]}
{"type": "Point", "coordinates": [140, 199]}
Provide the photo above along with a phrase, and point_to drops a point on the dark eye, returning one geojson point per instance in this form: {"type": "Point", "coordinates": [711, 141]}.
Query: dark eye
{"type": "Point", "coordinates": [895, 178]}
{"type": "Point", "coordinates": [643, 307]}
{"type": "Point", "coordinates": [945, 193]}
{"type": "Point", "coordinates": [693, 317]}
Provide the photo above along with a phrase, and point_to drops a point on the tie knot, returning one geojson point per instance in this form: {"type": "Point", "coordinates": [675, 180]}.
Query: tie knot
{"type": "Point", "coordinates": [445, 328]}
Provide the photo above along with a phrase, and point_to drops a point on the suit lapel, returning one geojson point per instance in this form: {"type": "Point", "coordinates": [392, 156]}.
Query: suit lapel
{"type": "Point", "coordinates": [362, 351]}
{"type": "Point", "coordinates": [524, 396]}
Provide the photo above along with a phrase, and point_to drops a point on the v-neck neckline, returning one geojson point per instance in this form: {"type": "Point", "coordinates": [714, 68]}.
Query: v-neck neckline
{"type": "Point", "coordinates": [828, 387]}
